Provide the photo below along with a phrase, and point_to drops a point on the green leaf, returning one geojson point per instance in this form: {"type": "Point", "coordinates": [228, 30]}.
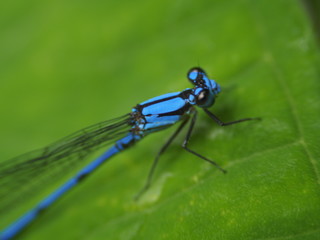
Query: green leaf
{"type": "Point", "coordinates": [68, 64]}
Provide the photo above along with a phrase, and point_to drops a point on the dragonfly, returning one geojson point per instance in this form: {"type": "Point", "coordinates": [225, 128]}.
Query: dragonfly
{"type": "Point", "coordinates": [24, 175]}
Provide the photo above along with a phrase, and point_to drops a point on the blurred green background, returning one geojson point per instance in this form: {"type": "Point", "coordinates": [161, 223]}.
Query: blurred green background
{"type": "Point", "coordinates": [67, 64]}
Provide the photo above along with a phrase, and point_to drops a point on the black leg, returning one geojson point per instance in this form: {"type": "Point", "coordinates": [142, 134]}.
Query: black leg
{"type": "Point", "coordinates": [155, 162]}
{"type": "Point", "coordinates": [217, 120]}
{"type": "Point", "coordinates": [186, 141]}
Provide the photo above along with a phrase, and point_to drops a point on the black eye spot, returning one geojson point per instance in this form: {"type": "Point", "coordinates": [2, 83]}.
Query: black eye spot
{"type": "Point", "coordinates": [202, 97]}
{"type": "Point", "coordinates": [201, 82]}
{"type": "Point", "coordinates": [196, 75]}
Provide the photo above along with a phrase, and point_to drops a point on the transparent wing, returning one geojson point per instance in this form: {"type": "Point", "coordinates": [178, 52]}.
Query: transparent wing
{"type": "Point", "coordinates": [21, 176]}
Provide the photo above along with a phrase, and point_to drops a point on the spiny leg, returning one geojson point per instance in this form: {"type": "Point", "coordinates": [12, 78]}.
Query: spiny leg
{"type": "Point", "coordinates": [217, 120]}
{"type": "Point", "coordinates": [155, 162]}
{"type": "Point", "coordinates": [186, 141]}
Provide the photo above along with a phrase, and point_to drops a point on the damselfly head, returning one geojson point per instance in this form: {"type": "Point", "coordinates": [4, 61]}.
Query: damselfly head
{"type": "Point", "coordinates": [205, 89]}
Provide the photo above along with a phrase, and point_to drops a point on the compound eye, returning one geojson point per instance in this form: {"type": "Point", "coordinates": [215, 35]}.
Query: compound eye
{"type": "Point", "coordinates": [196, 75]}
{"type": "Point", "coordinates": [202, 97]}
